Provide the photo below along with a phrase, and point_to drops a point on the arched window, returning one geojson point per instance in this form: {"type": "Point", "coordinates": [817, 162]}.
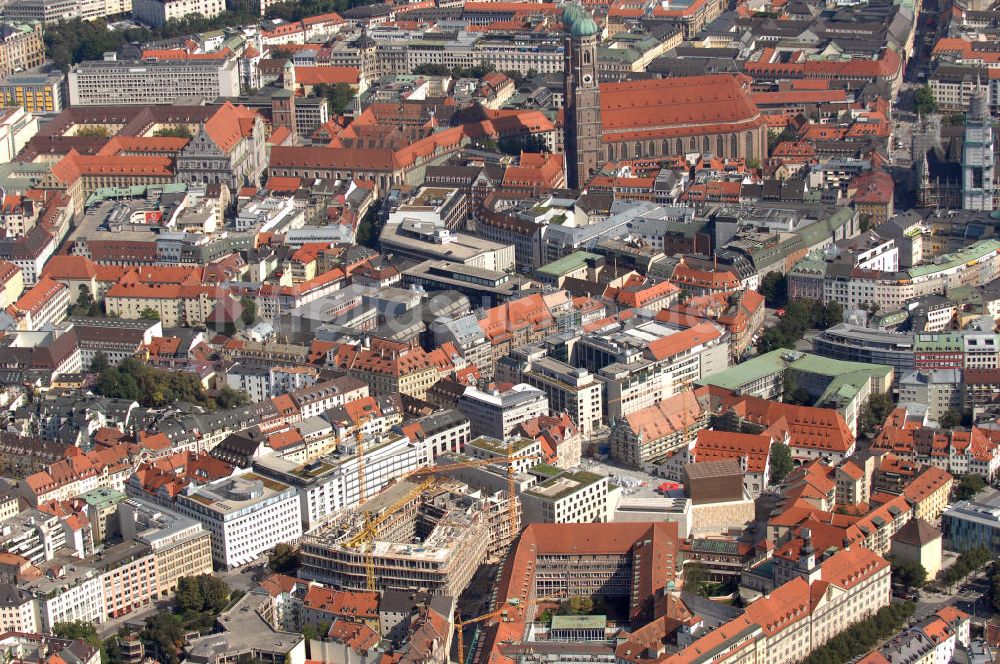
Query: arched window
{"type": "Point", "coordinates": [624, 150]}
{"type": "Point", "coordinates": [705, 145]}
{"type": "Point", "coordinates": [749, 144]}
{"type": "Point", "coordinates": [734, 149]}
{"type": "Point", "coordinates": [692, 146]}
{"type": "Point", "coordinates": [719, 147]}
{"type": "Point", "coordinates": [666, 148]}
{"type": "Point", "coordinates": [611, 153]}
{"type": "Point", "coordinates": [650, 149]}
{"type": "Point", "coordinates": [680, 147]}
{"type": "Point", "coordinates": [586, 57]}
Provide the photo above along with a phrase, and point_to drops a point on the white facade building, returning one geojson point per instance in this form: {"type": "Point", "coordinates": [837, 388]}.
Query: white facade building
{"type": "Point", "coordinates": [102, 83]}
{"type": "Point", "coordinates": [579, 497]}
{"type": "Point", "coordinates": [157, 13]}
{"type": "Point", "coordinates": [246, 515]}
{"type": "Point", "coordinates": [497, 413]}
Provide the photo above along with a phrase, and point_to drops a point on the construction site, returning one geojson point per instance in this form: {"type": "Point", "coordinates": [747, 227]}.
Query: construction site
{"type": "Point", "coordinates": [429, 535]}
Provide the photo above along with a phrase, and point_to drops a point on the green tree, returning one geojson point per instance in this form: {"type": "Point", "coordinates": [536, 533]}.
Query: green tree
{"type": "Point", "coordinates": [923, 101]}
{"type": "Point", "coordinates": [164, 635]}
{"type": "Point", "coordinates": [696, 579]}
{"type": "Point", "coordinates": [78, 629]}
{"type": "Point", "coordinates": [149, 314]}
{"type": "Point", "coordinates": [188, 596]}
{"type": "Point", "coordinates": [579, 605]}
{"type": "Point", "coordinates": [312, 631]}
{"type": "Point", "coordinates": [862, 636]}
{"type": "Point", "coordinates": [908, 573]}
{"type": "Point", "coordinates": [876, 409]}
{"type": "Point", "coordinates": [970, 561]}
{"type": "Point", "coordinates": [994, 592]}
{"type": "Point", "coordinates": [365, 235]}
{"type": "Point", "coordinates": [969, 486]}
{"type": "Point", "coordinates": [137, 381]}
{"type": "Point", "coordinates": [175, 131]}
{"type": "Point", "coordinates": [950, 419]}
{"type": "Point", "coordinates": [284, 559]}
{"type": "Point", "coordinates": [112, 652]}
{"type": "Point", "coordinates": [215, 592]}
{"type": "Point", "coordinates": [99, 363]}
{"type": "Point", "coordinates": [774, 288]}
{"type": "Point", "coordinates": [93, 131]}
{"type": "Point", "coordinates": [827, 315]}
{"type": "Point", "coordinates": [793, 392]}
{"type": "Point", "coordinates": [429, 69]}
{"type": "Point", "coordinates": [339, 96]}
{"type": "Point", "coordinates": [230, 398]}
{"type": "Point", "coordinates": [775, 138]}
{"type": "Point", "coordinates": [773, 339]}
{"type": "Point", "coordinates": [781, 462]}
{"type": "Point", "coordinates": [249, 315]}
{"type": "Point", "coordinates": [84, 305]}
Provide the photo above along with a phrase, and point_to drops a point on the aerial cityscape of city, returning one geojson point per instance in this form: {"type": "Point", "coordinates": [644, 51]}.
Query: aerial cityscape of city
{"type": "Point", "coordinates": [499, 332]}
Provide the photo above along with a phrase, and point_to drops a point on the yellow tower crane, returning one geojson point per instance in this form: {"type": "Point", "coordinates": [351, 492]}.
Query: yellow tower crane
{"type": "Point", "coordinates": [459, 624]}
{"type": "Point", "coordinates": [360, 451]}
{"type": "Point", "coordinates": [366, 537]}
{"type": "Point", "coordinates": [511, 492]}
{"type": "Point", "coordinates": [511, 477]}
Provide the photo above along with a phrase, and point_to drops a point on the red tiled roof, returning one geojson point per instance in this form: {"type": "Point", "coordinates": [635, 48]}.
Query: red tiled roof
{"type": "Point", "coordinates": [712, 445]}
{"type": "Point", "coordinates": [327, 75]}
{"type": "Point", "coordinates": [692, 104]}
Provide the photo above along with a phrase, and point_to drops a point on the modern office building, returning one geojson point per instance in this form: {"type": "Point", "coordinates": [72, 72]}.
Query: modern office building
{"type": "Point", "coordinates": [572, 497]}
{"type": "Point", "coordinates": [869, 346]}
{"type": "Point", "coordinates": [967, 525]}
{"type": "Point", "coordinates": [154, 80]}
{"type": "Point", "coordinates": [157, 13]}
{"type": "Point", "coordinates": [568, 389]}
{"type": "Point", "coordinates": [246, 515]}
{"type": "Point", "coordinates": [496, 413]}
{"type": "Point", "coordinates": [180, 545]}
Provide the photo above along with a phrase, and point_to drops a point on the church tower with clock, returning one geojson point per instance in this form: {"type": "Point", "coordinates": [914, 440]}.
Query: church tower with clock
{"type": "Point", "coordinates": [581, 98]}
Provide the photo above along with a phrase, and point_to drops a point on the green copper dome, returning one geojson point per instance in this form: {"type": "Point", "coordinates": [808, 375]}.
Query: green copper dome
{"type": "Point", "coordinates": [578, 22]}
{"type": "Point", "coordinates": [571, 13]}
{"type": "Point", "coordinates": [583, 27]}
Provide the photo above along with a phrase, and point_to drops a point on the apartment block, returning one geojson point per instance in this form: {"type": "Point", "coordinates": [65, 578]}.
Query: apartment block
{"type": "Point", "coordinates": [35, 93]}
{"type": "Point", "coordinates": [18, 612]}
{"type": "Point", "coordinates": [180, 545]}
{"type": "Point", "coordinates": [21, 44]}
{"type": "Point", "coordinates": [128, 577]}
{"type": "Point", "coordinates": [72, 592]}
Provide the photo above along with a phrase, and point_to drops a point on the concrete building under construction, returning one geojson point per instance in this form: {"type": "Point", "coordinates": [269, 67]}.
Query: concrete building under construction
{"type": "Point", "coordinates": [432, 540]}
